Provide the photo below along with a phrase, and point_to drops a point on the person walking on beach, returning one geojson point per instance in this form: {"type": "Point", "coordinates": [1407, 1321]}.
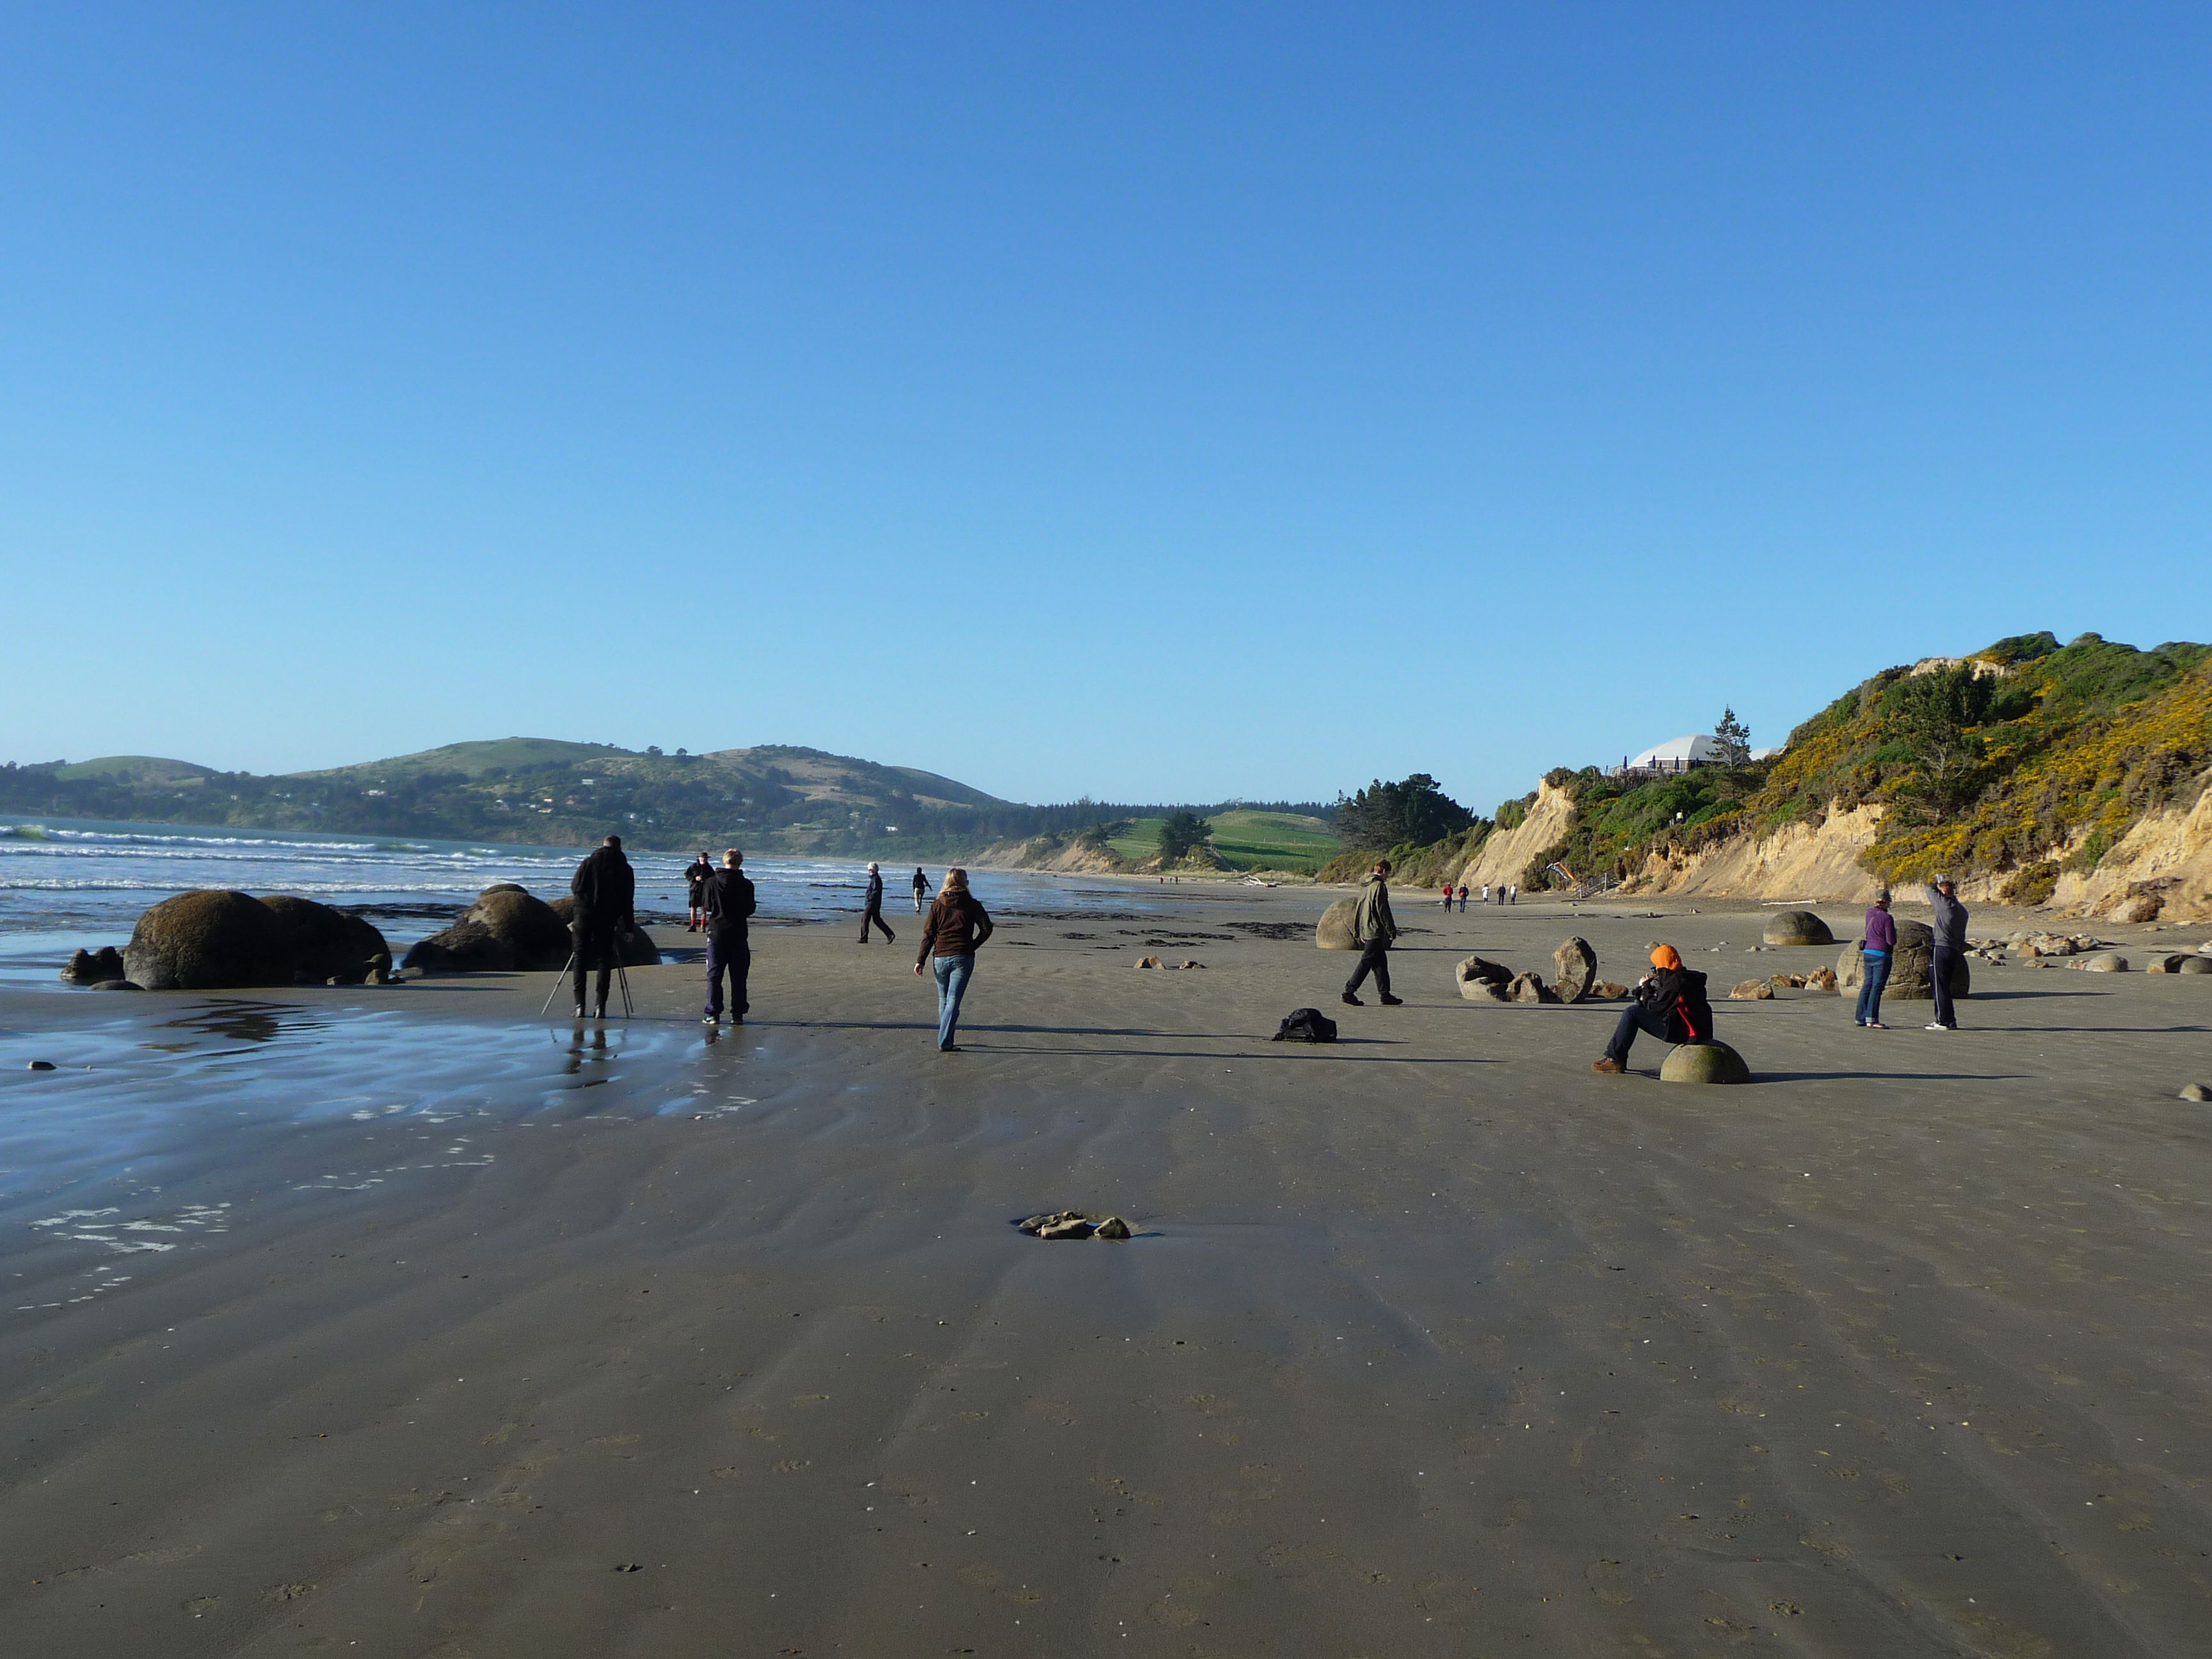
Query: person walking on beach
{"type": "Point", "coordinates": [1373, 928]}
{"type": "Point", "coordinates": [1462, 898]}
{"type": "Point", "coordinates": [1670, 1004]}
{"type": "Point", "coordinates": [1448, 895]}
{"type": "Point", "coordinates": [871, 909]}
{"type": "Point", "coordinates": [920, 888]}
{"type": "Point", "coordinates": [696, 874]}
{"type": "Point", "coordinates": [604, 889]}
{"type": "Point", "coordinates": [1486, 892]}
{"type": "Point", "coordinates": [728, 901]}
{"type": "Point", "coordinates": [1950, 923]}
{"type": "Point", "coordinates": [1516, 890]}
{"type": "Point", "coordinates": [955, 929]}
{"type": "Point", "coordinates": [1874, 957]}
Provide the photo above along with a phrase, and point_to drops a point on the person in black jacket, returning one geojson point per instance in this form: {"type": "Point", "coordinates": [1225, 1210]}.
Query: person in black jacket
{"type": "Point", "coordinates": [871, 909]}
{"type": "Point", "coordinates": [604, 888]}
{"type": "Point", "coordinates": [696, 875]}
{"type": "Point", "coordinates": [729, 901]}
{"type": "Point", "coordinates": [1670, 1004]}
{"type": "Point", "coordinates": [920, 888]}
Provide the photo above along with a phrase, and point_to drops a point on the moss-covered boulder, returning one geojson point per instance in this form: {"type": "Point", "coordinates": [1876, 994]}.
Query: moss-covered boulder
{"type": "Point", "coordinates": [1333, 931]}
{"type": "Point", "coordinates": [328, 944]}
{"type": "Point", "coordinates": [506, 930]}
{"type": "Point", "coordinates": [209, 941]}
{"type": "Point", "coordinates": [1797, 927]}
{"type": "Point", "coordinates": [1704, 1062]}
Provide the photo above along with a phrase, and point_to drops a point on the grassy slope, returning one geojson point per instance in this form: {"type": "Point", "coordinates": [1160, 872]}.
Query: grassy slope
{"type": "Point", "coordinates": [1247, 840]}
{"type": "Point", "coordinates": [152, 768]}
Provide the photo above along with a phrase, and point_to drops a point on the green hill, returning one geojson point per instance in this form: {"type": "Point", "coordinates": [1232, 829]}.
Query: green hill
{"type": "Point", "coordinates": [134, 769]}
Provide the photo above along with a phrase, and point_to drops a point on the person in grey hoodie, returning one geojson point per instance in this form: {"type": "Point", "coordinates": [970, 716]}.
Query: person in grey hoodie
{"type": "Point", "coordinates": [1949, 924]}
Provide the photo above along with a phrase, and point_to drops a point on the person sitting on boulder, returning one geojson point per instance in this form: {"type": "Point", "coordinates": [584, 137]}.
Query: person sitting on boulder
{"type": "Point", "coordinates": [1670, 1004]}
{"type": "Point", "coordinates": [604, 888]}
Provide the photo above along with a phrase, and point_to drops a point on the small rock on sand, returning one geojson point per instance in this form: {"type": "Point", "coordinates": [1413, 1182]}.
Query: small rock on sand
{"type": "Point", "coordinates": [2196, 1091]}
{"type": "Point", "coordinates": [2105, 962]}
{"type": "Point", "coordinates": [1753, 990]}
{"type": "Point", "coordinates": [1113, 1227]}
{"type": "Point", "coordinates": [1150, 961]}
{"type": "Point", "coordinates": [39, 1066]}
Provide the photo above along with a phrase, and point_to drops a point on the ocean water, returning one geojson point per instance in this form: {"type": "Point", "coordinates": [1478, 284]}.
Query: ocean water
{"type": "Point", "coordinates": [66, 883]}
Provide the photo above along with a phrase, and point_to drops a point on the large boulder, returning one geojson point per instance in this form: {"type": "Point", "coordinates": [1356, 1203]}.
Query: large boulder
{"type": "Point", "coordinates": [2139, 906]}
{"type": "Point", "coordinates": [506, 930]}
{"type": "Point", "coordinates": [1797, 927]}
{"type": "Point", "coordinates": [637, 950]}
{"type": "Point", "coordinates": [1481, 979]}
{"type": "Point", "coordinates": [1577, 966]}
{"type": "Point", "coordinates": [209, 941]}
{"type": "Point", "coordinates": [1333, 931]}
{"type": "Point", "coordinates": [2195, 965]}
{"type": "Point", "coordinates": [329, 943]}
{"type": "Point", "coordinates": [1911, 967]}
{"type": "Point", "coordinates": [2104, 962]}
{"type": "Point", "coordinates": [1704, 1062]}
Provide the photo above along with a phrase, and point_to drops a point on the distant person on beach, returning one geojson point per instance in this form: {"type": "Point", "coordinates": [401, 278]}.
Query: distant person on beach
{"type": "Point", "coordinates": [1486, 892]}
{"type": "Point", "coordinates": [1670, 1004]}
{"type": "Point", "coordinates": [1462, 898]}
{"type": "Point", "coordinates": [696, 874]}
{"type": "Point", "coordinates": [920, 888]}
{"type": "Point", "coordinates": [1373, 928]}
{"type": "Point", "coordinates": [872, 908]}
{"type": "Point", "coordinates": [604, 889]}
{"type": "Point", "coordinates": [1950, 923]}
{"type": "Point", "coordinates": [1448, 895]}
{"type": "Point", "coordinates": [1515, 889]}
{"type": "Point", "coordinates": [957, 927]}
{"type": "Point", "coordinates": [728, 901]}
{"type": "Point", "coordinates": [1874, 957]}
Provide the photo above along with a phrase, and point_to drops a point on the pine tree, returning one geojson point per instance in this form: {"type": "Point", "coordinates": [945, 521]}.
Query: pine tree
{"type": "Point", "coordinates": [1734, 737]}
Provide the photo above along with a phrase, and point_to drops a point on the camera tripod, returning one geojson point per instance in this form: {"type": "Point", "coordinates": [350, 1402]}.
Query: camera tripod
{"type": "Point", "coordinates": [629, 1008]}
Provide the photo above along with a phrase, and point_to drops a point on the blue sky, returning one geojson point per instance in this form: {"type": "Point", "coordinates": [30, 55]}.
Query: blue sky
{"type": "Point", "coordinates": [1149, 402]}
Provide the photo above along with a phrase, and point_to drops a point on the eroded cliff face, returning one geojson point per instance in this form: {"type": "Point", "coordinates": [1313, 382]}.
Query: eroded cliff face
{"type": "Point", "coordinates": [1502, 858]}
{"type": "Point", "coordinates": [1796, 861]}
{"type": "Point", "coordinates": [2168, 854]}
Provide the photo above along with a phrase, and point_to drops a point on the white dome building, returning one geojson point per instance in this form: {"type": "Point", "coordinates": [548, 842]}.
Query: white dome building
{"type": "Point", "coordinates": [1679, 755]}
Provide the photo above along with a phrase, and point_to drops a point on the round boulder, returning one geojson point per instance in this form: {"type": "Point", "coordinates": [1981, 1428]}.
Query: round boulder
{"type": "Point", "coordinates": [329, 945]}
{"type": "Point", "coordinates": [1797, 927]}
{"type": "Point", "coordinates": [1704, 1062]}
{"type": "Point", "coordinates": [2104, 962]}
{"type": "Point", "coordinates": [506, 930]}
{"type": "Point", "coordinates": [1333, 931]}
{"type": "Point", "coordinates": [209, 941]}
{"type": "Point", "coordinates": [2195, 965]}
{"type": "Point", "coordinates": [1577, 969]}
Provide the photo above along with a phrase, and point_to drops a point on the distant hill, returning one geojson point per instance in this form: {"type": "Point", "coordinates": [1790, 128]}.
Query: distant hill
{"type": "Point", "coordinates": [775, 798]}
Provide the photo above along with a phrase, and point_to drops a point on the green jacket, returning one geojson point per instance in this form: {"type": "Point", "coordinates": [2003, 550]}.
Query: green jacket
{"type": "Point", "coordinates": [1371, 915]}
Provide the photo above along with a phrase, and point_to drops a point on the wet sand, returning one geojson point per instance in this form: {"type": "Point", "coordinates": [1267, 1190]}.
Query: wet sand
{"type": "Point", "coordinates": [478, 1336]}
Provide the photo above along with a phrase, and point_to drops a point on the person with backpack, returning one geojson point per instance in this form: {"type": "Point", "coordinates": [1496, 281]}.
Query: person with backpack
{"type": "Point", "coordinates": [1670, 1004]}
{"type": "Point", "coordinates": [1373, 928]}
{"type": "Point", "coordinates": [728, 901]}
{"type": "Point", "coordinates": [955, 929]}
{"type": "Point", "coordinates": [1462, 898]}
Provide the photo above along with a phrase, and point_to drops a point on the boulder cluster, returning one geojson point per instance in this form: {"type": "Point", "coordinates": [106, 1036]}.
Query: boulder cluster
{"type": "Point", "coordinates": [1760, 990]}
{"type": "Point", "coordinates": [1574, 979]}
{"type": "Point", "coordinates": [510, 930]}
{"type": "Point", "coordinates": [214, 940]}
{"type": "Point", "coordinates": [1171, 967]}
{"type": "Point", "coordinates": [1073, 1223]}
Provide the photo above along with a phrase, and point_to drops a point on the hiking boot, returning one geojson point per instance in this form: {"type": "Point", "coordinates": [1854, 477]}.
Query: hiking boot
{"type": "Point", "coordinates": [1389, 1001]}
{"type": "Point", "coordinates": [1606, 1066]}
{"type": "Point", "coordinates": [1352, 1001]}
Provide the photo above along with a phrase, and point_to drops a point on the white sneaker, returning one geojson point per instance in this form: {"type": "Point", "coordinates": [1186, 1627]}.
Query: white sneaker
{"type": "Point", "coordinates": [1935, 1026]}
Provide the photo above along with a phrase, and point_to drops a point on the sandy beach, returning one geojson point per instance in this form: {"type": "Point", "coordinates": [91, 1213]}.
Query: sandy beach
{"type": "Point", "coordinates": [405, 1322]}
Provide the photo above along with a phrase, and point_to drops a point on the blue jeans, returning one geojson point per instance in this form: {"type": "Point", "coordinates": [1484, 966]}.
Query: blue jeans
{"type": "Point", "coordinates": [952, 975]}
{"type": "Point", "coordinates": [1876, 975]}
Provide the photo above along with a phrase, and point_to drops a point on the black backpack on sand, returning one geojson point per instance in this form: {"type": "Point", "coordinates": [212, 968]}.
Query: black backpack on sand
{"type": "Point", "coordinates": [1305, 1025]}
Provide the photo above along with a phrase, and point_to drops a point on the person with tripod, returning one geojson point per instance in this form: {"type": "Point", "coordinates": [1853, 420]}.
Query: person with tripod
{"type": "Point", "coordinates": [729, 901]}
{"type": "Point", "coordinates": [604, 888]}
{"type": "Point", "coordinates": [872, 908]}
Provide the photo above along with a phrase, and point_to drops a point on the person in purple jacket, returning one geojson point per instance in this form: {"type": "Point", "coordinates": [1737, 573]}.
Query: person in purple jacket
{"type": "Point", "coordinates": [1881, 945]}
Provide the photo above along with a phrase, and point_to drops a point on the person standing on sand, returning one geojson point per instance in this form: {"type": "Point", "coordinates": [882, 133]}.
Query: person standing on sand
{"type": "Point", "coordinates": [1373, 928]}
{"type": "Point", "coordinates": [1950, 923]}
{"type": "Point", "coordinates": [1486, 892]}
{"type": "Point", "coordinates": [957, 927]}
{"type": "Point", "coordinates": [604, 889]}
{"type": "Point", "coordinates": [1462, 898]}
{"type": "Point", "coordinates": [1875, 958]}
{"type": "Point", "coordinates": [1670, 1004]}
{"type": "Point", "coordinates": [696, 874]}
{"type": "Point", "coordinates": [871, 909]}
{"type": "Point", "coordinates": [920, 888]}
{"type": "Point", "coordinates": [1448, 895]}
{"type": "Point", "coordinates": [728, 902]}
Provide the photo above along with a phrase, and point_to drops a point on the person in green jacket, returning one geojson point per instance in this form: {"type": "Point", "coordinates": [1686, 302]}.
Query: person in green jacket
{"type": "Point", "coordinates": [1373, 928]}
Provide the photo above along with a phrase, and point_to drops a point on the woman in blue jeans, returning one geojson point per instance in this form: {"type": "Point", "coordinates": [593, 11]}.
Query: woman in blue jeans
{"type": "Point", "coordinates": [955, 926]}
{"type": "Point", "coordinates": [1876, 954]}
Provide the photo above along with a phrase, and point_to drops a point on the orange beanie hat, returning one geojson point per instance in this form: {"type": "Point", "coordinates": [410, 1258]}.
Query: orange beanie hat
{"type": "Point", "coordinates": [1663, 956]}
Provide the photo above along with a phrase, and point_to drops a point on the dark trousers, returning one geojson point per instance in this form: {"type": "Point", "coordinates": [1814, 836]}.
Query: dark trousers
{"type": "Point", "coordinates": [595, 947]}
{"type": "Point", "coordinates": [1633, 1019]}
{"type": "Point", "coordinates": [730, 954]}
{"type": "Point", "coordinates": [1373, 958]}
{"type": "Point", "coordinates": [874, 913]}
{"type": "Point", "coordinates": [1939, 987]}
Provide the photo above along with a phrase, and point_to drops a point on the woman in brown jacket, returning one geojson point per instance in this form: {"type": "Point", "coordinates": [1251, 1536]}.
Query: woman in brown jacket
{"type": "Point", "coordinates": [955, 925]}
